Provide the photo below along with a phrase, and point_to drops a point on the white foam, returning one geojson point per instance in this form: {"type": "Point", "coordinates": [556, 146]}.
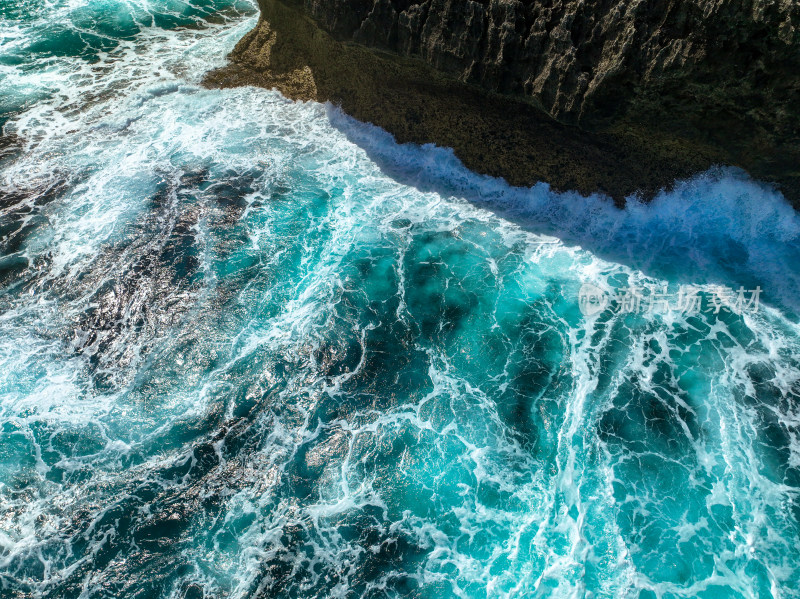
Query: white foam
{"type": "Point", "coordinates": [328, 190]}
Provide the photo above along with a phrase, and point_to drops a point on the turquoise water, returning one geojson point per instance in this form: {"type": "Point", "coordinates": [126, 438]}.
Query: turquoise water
{"type": "Point", "coordinates": [253, 348]}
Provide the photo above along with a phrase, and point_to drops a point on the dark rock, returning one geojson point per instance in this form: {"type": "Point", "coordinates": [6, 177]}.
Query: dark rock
{"type": "Point", "coordinates": [575, 57]}
{"type": "Point", "coordinates": [678, 84]}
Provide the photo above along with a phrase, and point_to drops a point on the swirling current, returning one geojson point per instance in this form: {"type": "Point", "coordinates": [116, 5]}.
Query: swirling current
{"type": "Point", "coordinates": [253, 348]}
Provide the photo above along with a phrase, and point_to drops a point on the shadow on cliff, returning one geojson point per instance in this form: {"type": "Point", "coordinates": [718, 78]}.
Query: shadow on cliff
{"type": "Point", "coordinates": [721, 227]}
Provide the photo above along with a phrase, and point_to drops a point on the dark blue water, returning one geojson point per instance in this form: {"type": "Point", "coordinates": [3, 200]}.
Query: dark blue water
{"type": "Point", "coordinates": [252, 348]}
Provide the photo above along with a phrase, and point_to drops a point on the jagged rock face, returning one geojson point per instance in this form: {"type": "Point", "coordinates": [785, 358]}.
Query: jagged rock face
{"type": "Point", "coordinates": [578, 59]}
{"type": "Point", "coordinates": [659, 89]}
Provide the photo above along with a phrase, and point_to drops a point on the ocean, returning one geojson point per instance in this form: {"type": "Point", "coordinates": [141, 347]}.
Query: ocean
{"type": "Point", "coordinates": [251, 347]}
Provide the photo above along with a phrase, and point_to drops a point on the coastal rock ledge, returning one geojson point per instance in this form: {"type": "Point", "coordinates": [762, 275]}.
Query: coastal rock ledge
{"type": "Point", "coordinates": [618, 96]}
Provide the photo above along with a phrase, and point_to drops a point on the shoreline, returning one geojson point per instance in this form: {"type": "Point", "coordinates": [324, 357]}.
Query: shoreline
{"type": "Point", "coordinates": [497, 135]}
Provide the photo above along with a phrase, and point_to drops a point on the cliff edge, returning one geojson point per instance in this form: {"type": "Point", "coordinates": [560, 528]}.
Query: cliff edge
{"type": "Point", "coordinates": [616, 96]}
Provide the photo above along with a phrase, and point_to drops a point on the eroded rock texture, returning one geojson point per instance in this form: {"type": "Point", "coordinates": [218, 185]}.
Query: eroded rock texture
{"type": "Point", "coordinates": [581, 60]}
{"type": "Point", "coordinates": [674, 86]}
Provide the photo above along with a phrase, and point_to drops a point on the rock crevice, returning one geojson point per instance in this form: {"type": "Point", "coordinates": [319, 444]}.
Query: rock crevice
{"type": "Point", "coordinates": [584, 61]}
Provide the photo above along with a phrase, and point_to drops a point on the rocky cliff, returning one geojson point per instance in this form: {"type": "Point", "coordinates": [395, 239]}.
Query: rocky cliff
{"type": "Point", "coordinates": [617, 95]}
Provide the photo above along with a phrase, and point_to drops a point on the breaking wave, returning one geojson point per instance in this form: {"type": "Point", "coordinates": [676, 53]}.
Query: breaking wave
{"type": "Point", "coordinates": [252, 347]}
